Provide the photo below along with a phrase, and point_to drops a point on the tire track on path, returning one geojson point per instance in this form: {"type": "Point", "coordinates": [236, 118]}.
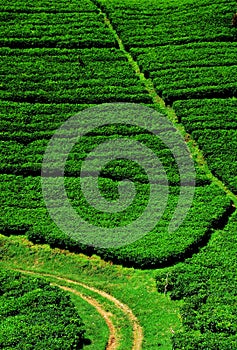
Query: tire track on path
{"type": "Point", "coordinates": [112, 343]}
{"type": "Point", "coordinates": [137, 329]}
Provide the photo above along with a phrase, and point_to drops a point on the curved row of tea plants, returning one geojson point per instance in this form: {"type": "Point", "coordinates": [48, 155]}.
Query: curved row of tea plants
{"type": "Point", "coordinates": [35, 315]}
{"type": "Point", "coordinates": [24, 211]}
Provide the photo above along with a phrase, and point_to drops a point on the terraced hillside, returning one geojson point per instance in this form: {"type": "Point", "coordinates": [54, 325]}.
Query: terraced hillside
{"type": "Point", "coordinates": [42, 86]}
{"type": "Point", "coordinates": [177, 58]}
{"type": "Point", "coordinates": [190, 56]}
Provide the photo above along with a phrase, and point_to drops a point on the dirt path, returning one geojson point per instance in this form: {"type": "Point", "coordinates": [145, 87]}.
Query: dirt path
{"type": "Point", "coordinates": [137, 329]}
{"type": "Point", "coordinates": [112, 341]}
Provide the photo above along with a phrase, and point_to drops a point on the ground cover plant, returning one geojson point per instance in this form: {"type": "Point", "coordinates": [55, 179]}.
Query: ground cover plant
{"type": "Point", "coordinates": [176, 57]}
{"type": "Point", "coordinates": [213, 119]}
{"type": "Point", "coordinates": [35, 315]}
{"type": "Point", "coordinates": [132, 287]}
{"type": "Point", "coordinates": [207, 282]}
{"type": "Point", "coordinates": [31, 217]}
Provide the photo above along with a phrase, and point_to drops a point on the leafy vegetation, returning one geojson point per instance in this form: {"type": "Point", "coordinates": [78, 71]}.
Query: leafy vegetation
{"type": "Point", "coordinates": [207, 282]}
{"type": "Point", "coordinates": [213, 119]}
{"type": "Point", "coordinates": [134, 287]}
{"type": "Point", "coordinates": [35, 315]}
{"type": "Point", "coordinates": [63, 79]}
{"type": "Point", "coordinates": [58, 60]}
{"type": "Point", "coordinates": [104, 76]}
{"type": "Point", "coordinates": [204, 66]}
{"type": "Point", "coordinates": [157, 23]}
{"type": "Point", "coordinates": [25, 212]}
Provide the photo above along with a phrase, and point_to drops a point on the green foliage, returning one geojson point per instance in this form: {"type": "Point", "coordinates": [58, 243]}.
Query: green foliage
{"type": "Point", "coordinates": [157, 23]}
{"type": "Point", "coordinates": [45, 26]}
{"type": "Point", "coordinates": [104, 77]}
{"type": "Point", "coordinates": [46, 6]}
{"type": "Point", "coordinates": [58, 60]}
{"type": "Point", "coordinates": [69, 86]}
{"type": "Point", "coordinates": [192, 55]}
{"type": "Point", "coordinates": [191, 71]}
{"type": "Point", "coordinates": [207, 282]}
{"type": "Point", "coordinates": [24, 211]}
{"type": "Point", "coordinates": [35, 315]}
{"type": "Point", "coordinates": [133, 287]}
{"type": "Point", "coordinates": [212, 122]}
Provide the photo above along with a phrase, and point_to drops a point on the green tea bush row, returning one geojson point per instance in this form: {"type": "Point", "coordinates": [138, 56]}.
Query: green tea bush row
{"type": "Point", "coordinates": [81, 96]}
{"type": "Point", "coordinates": [47, 6]}
{"type": "Point", "coordinates": [212, 122]}
{"type": "Point", "coordinates": [94, 54]}
{"type": "Point", "coordinates": [208, 91]}
{"type": "Point", "coordinates": [77, 19]}
{"type": "Point", "coordinates": [39, 28]}
{"type": "Point", "coordinates": [62, 41]}
{"type": "Point", "coordinates": [69, 83]}
{"type": "Point", "coordinates": [24, 212]}
{"type": "Point", "coordinates": [35, 315]}
{"type": "Point", "coordinates": [212, 22]}
{"type": "Point", "coordinates": [193, 55]}
{"type": "Point", "coordinates": [207, 282]}
{"type": "Point", "coordinates": [186, 78]}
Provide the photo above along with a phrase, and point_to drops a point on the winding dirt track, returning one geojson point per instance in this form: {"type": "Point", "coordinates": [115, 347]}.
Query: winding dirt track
{"type": "Point", "coordinates": [113, 341]}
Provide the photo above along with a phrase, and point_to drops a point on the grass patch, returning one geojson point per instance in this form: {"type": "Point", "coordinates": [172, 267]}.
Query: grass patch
{"type": "Point", "coordinates": [156, 313]}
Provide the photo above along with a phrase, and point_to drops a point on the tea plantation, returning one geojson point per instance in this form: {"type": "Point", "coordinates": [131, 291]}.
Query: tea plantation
{"type": "Point", "coordinates": [207, 282]}
{"type": "Point", "coordinates": [176, 57]}
{"type": "Point", "coordinates": [35, 315]}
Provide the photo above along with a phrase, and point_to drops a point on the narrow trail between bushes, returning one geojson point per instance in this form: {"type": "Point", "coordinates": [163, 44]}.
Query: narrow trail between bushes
{"type": "Point", "coordinates": [113, 342]}
{"type": "Point", "coordinates": [168, 110]}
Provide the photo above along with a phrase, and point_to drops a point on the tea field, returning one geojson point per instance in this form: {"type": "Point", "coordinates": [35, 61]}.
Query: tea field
{"type": "Point", "coordinates": [177, 58]}
{"type": "Point", "coordinates": [34, 312]}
